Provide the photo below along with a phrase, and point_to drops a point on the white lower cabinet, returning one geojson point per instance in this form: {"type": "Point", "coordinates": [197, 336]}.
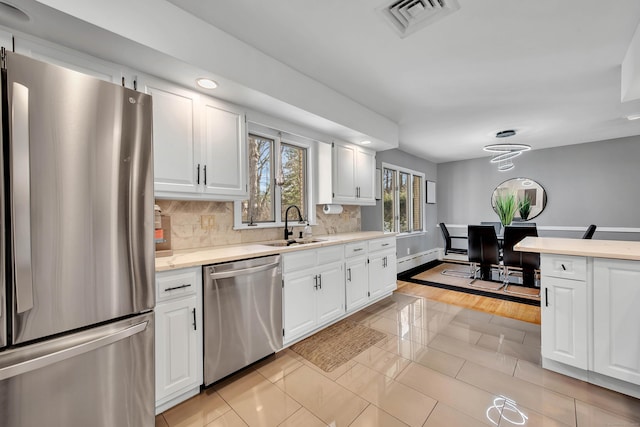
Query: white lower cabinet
{"type": "Point", "coordinates": [357, 282]}
{"type": "Point", "coordinates": [314, 289]}
{"type": "Point", "coordinates": [383, 268]}
{"type": "Point", "coordinates": [616, 319]}
{"type": "Point", "coordinates": [564, 321]}
{"type": "Point", "coordinates": [178, 334]}
{"type": "Point", "coordinates": [590, 320]}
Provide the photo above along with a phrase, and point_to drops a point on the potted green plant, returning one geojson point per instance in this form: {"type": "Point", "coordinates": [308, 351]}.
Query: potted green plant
{"type": "Point", "coordinates": [524, 207]}
{"type": "Point", "coordinates": [506, 208]}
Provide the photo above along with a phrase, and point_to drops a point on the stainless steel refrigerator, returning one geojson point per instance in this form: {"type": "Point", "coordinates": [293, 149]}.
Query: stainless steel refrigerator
{"type": "Point", "coordinates": [76, 305]}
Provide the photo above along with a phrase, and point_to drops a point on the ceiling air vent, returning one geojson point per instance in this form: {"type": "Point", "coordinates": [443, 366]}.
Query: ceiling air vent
{"type": "Point", "coordinates": [408, 16]}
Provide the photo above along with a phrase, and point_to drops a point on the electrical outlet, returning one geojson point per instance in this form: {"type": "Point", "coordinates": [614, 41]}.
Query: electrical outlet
{"type": "Point", "coordinates": [207, 222]}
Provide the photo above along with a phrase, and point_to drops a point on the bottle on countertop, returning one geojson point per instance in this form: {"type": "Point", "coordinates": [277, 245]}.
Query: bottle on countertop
{"type": "Point", "coordinates": [307, 233]}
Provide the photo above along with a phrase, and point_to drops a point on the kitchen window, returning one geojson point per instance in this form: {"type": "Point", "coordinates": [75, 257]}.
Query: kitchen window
{"type": "Point", "coordinates": [402, 193]}
{"type": "Point", "coordinates": [279, 176]}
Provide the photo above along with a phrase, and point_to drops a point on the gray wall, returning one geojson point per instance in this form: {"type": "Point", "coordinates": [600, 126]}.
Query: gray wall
{"type": "Point", "coordinates": [587, 183]}
{"type": "Point", "coordinates": [372, 215]}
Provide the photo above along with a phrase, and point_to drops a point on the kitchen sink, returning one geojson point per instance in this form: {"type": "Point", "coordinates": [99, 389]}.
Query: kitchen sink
{"type": "Point", "coordinates": [292, 242]}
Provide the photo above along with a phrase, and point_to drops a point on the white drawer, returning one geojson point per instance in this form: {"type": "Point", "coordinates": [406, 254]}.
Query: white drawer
{"type": "Point", "coordinates": [564, 266]}
{"type": "Point", "coordinates": [380, 244]}
{"type": "Point", "coordinates": [330, 254]}
{"type": "Point", "coordinates": [176, 283]}
{"type": "Point", "coordinates": [355, 249]}
{"type": "Point", "coordinates": [299, 260]}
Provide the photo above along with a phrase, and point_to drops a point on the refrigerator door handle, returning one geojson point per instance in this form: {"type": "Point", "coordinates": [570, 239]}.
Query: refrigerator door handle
{"type": "Point", "coordinates": [67, 353]}
{"type": "Point", "coordinates": [21, 182]}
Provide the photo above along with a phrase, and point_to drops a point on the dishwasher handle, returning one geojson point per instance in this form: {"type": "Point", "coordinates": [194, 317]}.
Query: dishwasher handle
{"type": "Point", "coordinates": [244, 271]}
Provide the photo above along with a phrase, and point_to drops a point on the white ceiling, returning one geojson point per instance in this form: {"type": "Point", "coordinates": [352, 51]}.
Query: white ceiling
{"type": "Point", "coordinates": [549, 69]}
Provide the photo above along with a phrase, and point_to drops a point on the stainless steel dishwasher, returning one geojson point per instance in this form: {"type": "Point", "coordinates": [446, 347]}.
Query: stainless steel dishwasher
{"type": "Point", "coordinates": [242, 314]}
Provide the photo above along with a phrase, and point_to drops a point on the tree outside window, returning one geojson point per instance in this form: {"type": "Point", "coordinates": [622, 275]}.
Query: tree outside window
{"type": "Point", "coordinates": [276, 181]}
{"type": "Point", "coordinates": [403, 206]}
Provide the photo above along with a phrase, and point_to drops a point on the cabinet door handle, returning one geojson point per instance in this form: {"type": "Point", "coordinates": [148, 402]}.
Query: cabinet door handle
{"type": "Point", "coordinates": [357, 249]}
{"type": "Point", "coordinates": [198, 176]}
{"type": "Point", "coordinates": [195, 328]}
{"type": "Point", "coordinates": [204, 169]}
{"type": "Point", "coordinates": [386, 244]}
{"type": "Point", "coordinates": [315, 279]}
{"type": "Point", "coordinates": [173, 288]}
{"type": "Point", "coordinates": [349, 274]}
{"type": "Point", "coordinates": [546, 297]}
{"type": "Point", "coordinates": [563, 267]}
{"type": "Point", "coordinates": [320, 280]}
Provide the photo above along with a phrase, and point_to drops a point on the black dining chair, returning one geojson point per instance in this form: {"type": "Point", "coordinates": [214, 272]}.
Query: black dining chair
{"type": "Point", "coordinates": [516, 262]}
{"type": "Point", "coordinates": [589, 233]}
{"type": "Point", "coordinates": [447, 241]}
{"type": "Point", "coordinates": [496, 224]}
{"type": "Point", "coordinates": [484, 254]}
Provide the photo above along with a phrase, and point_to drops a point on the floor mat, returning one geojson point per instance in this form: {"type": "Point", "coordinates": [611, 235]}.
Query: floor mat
{"type": "Point", "coordinates": [430, 275]}
{"type": "Point", "coordinates": [337, 344]}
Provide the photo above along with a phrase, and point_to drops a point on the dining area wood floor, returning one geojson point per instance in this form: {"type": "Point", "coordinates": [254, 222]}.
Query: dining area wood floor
{"type": "Point", "coordinates": [447, 359]}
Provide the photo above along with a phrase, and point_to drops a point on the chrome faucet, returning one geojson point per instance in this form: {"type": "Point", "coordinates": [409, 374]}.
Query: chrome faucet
{"type": "Point", "coordinates": [288, 233]}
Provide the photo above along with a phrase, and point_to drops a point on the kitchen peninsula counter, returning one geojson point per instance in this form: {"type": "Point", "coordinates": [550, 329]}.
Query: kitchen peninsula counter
{"type": "Point", "coordinates": [615, 249]}
{"type": "Point", "coordinates": [215, 254]}
{"type": "Point", "coordinates": [590, 297]}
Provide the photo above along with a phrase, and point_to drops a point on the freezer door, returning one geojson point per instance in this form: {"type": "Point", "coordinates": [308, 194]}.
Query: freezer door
{"type": "Point", "coordinates": [81, 179]}
{"type": "Point", "coordinates": [102, 377]}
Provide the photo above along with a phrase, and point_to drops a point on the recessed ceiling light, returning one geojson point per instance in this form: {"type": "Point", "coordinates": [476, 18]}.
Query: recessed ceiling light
{"type": "Point", "coordinates": [206, 83]}
{"type": "Point", "coordinates": [366, 142]}
{"type": "Point", "coordinates": [633, 117]}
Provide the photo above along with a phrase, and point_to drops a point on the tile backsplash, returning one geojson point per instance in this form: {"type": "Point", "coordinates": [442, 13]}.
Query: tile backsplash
{"type": "Point", "coordinates": [199, 224]}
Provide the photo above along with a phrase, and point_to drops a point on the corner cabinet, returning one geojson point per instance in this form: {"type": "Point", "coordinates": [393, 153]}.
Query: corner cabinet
{"type": "Point", "coordinates": [199, 144]}
{"type": "Point", "coordinates": [178, 347]}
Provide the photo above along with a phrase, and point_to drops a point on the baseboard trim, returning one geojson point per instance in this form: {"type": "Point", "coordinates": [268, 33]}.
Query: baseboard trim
{"type": "Point", "coordinates": [418, 259]}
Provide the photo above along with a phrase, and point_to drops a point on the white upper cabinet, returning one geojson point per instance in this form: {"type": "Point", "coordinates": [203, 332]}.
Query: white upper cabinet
{"type": "Point", "coordinates": [224, 142]}
{"type": "Point", "coordinates": [199, 145]}
{"type": "Point", "coordinates": [353, 174]}
{"type": "Point", "coordinates": [174, 138]}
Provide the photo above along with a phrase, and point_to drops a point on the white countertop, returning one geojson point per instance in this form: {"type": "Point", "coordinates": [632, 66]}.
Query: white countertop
{"type": "Point", "coordinates": [581, 247]}
{"type": "Point", "coordinates": [202, 256]}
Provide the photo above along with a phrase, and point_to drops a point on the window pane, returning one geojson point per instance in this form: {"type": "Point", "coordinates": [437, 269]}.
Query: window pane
{"type": "Point", "coordinates": [294, 179]}
{"type": "Point", "coordinates": [388, 185]}
{"type": "Point", "coordinates": [416, 189]}
{"type": "Point", "coordinates": [404, 202]}
{"type": "Point", "coordinates": [260, 206]}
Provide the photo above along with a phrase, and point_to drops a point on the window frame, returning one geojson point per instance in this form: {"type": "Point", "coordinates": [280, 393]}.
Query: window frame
{"type": "Point", "coordinates": [396, 171]}
{"type": "Point", "coordinates": [279, 138]}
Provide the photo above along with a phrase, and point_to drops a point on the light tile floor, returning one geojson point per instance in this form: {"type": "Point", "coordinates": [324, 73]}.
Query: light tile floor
{"type": "Point", "coordinates": [439, 365]}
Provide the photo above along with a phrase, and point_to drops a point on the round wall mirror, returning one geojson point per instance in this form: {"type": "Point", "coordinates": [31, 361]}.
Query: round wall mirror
{"type": "Point", "coordinates": [531, 198]}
